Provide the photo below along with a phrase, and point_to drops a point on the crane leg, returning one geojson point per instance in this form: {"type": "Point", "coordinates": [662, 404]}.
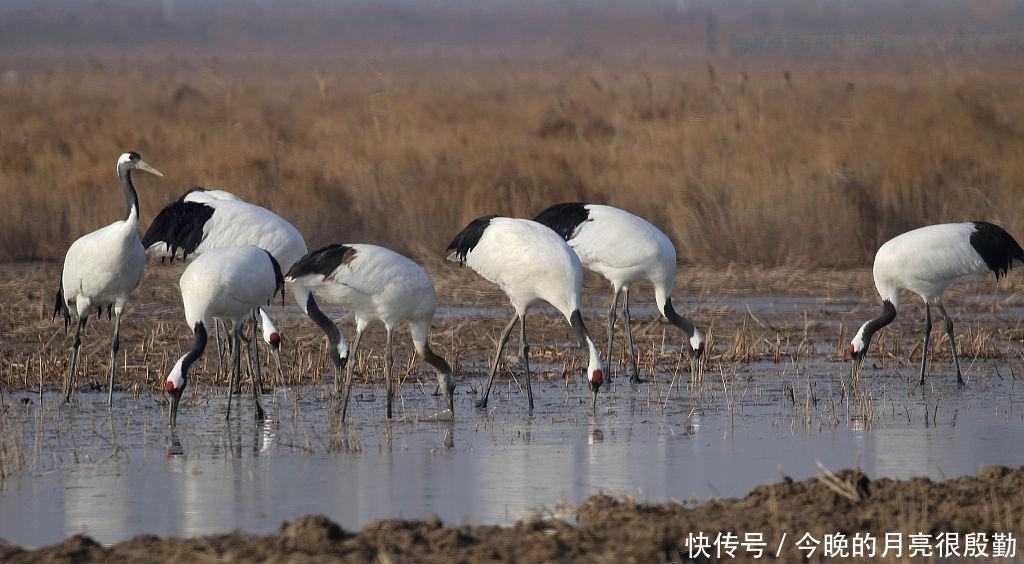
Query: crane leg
{"type": "Point", "coordinates": [524, 350]}
{"type": "Point", "coordinates": [257, 375]}
{"type": "Point", "coordinates": [115, 345]}
{"type": "Point", "coordinates": [254, 356]}
{"type": "Point", "coordinates": [927, 337]}
{"type": "Point", "coordinates": [952, 344]}
{"type": "Point", "coordinates": [76, 342]}
{"type": "Point", "coordinates": [389, 362]}
{"type": "Point", "coordinates": [220, 346]}
{"type": "Point", "coordinates": [348, 375]}
{"type": "Point", "coordinates": [611, 330]}
{"type": "Point", "coordinates": [236, 357]}
{"type": "Point", "coordinates": [497, 357]}
{"type": "Point", "coordinates": [628, 321]}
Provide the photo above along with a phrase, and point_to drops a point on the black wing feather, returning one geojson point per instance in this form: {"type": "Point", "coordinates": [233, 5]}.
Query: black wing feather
{"type": "Point", "coordinates": [467, 239]}
{"type": "Point", "coordinates": [180, 226]}
{"type": "Point", "coordinates": [997, 247]}
{"type": "Point", "coordinates": [324, 260]}
{"type": "Point", "coordinates": [278, 277]}
{"type": "Point", "coordinates": [564, 218]}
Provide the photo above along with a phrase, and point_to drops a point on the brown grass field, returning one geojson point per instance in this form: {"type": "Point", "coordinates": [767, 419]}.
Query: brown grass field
{"type": "Point", "coordinates": [766, 160]}
{"type": "Point", "coordinates": [736, 165]}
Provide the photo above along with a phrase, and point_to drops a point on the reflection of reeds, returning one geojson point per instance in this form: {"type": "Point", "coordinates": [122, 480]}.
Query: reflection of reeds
{"type": "Point", "coordinates": [12, 448]}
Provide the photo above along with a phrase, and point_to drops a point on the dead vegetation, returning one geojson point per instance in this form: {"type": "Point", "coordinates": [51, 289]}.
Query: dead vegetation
{"type": "Point", "coordinates": [806, 164]}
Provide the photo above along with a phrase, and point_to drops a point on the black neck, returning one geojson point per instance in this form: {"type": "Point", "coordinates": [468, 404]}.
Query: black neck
{"type": "Point", "coordinates": [328, 326]}
{"type": "Point", "coordinates": [130, 195]}
{"type": "Point", "coordinates": [679, 321]}
{"type": "Point", "coordinates": [439, 364]}
{"type": "Point", "coordinates": [888, 315]}
{"type": "Point", "coordinates": [576, 321]}
{"type": "Point", "coordinates": [198, 346]}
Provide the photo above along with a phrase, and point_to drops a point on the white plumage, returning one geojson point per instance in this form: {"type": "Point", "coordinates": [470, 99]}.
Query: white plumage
{"type": "Point", "coordinates": [203, 195]}
{"type": "Point", "coordinates": [625, 249]}
{"type": "Point", "coordinates": [927, 261]}
{"type": "Point", "coordinates": [102, 268]}
{"type": "Point", "coordinates": [375, 284]}
{"type": "Point", "coordinates": [226, 283]}
{"type": "Point", "coordinates": [203, 219]}
{"type": "Point", "coordinates": [532, 264]}
{"type": "Point", "coordinates": [208, 219]}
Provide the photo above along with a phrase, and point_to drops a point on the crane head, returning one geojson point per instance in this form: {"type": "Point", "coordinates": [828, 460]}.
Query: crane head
{"type": "Point", "coordinates": [595, 377]}
{"type": "Point", "coordinates": [175, 387]}
{"type": "Point", "coordinates": [133, 161]}
{"type": "Point", "coordinates": [858, 347]}
{"type": "Point", "coordinates": [270, 333]}
{"type": "Point", "coordinates": [697, 344]}
{"type": "Point", "coordinates": [851, 350]}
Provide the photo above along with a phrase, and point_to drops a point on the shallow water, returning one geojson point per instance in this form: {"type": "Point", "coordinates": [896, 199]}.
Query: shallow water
{"type": "Point", "coordinates": [116, 474]}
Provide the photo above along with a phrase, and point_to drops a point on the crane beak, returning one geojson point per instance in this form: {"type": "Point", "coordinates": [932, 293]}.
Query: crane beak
{"type": "Point", "coordinates": [856, 360]}
{"type": "Point", "coordinates": [276, 353]}
{"type": "Point", "coordinates": [855, 370]}
{"type": "Point", "coordinates": [696, 368]}
{"type": "Point", "coordinates": [143, 165]}
{"type": "Point", "coordinates": [172, 409]}
{"type": "Point", "coordinates": [339, 363]}
{"type": "Point", "coordinates": [595, 380]}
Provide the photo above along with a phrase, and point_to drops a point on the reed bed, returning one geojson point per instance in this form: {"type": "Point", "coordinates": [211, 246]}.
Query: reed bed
{"type": "Point", "coordinates": [34, 353]}
{"type": "Point", "coordinates": [764, 162]}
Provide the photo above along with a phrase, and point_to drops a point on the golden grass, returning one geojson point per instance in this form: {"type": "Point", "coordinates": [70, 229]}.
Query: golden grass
{"type": "Point", "coordinates": [763, 163]}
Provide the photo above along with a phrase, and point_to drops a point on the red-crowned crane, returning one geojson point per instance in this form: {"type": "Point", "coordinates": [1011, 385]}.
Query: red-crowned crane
{"type": "Point", "coordinates": [203, 219]}
{"type": "Point", "coordinates": [101, 269]}
{"type": "Point", "coordinates": [375, 284]}
{"type": "Point", "coordinates": [531, 264]}
{"type": "Point", "coordinates": [225, 283]}
{"type": "Point", "coordinates": [206, 219]}
{"type": "Point", "coordinates": [927, 261]}
{"type": "Point", "coordinates": [625, 249]}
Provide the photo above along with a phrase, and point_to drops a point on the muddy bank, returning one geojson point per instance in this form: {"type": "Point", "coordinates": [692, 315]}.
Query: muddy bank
{"type": "Point", "coordinates": [969, 509]}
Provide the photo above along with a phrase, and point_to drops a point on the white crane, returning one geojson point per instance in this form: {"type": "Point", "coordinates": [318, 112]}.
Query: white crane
{"type": "Point", "coordinates": [203, 219]}
{"type": "Point", "coordinates": [927, 261]}
{"type": "Point", "coordinates": [375, 284]}
{"type": "Point", "coordinates": [625, 249]}
{"type": "Point", "coordinates": [206, 219]}
{"type": "Point", "coordinates": [101, 269]}
{"type": "Point", "coordinates": [531, 264]}
{"type": "Point", "coordinates": [226, 283]}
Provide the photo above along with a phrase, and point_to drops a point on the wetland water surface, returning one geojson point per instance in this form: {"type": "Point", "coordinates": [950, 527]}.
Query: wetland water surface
{"type": "Point", "coordinates": [113, 475]}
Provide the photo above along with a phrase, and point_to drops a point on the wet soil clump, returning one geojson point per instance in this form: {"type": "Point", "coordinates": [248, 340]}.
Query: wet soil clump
{"type": "Point", "coordinates": [615, 529]}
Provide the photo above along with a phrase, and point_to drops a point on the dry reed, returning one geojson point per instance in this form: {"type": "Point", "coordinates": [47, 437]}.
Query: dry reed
{"type": "Point", "coordinates": [813, 167]}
